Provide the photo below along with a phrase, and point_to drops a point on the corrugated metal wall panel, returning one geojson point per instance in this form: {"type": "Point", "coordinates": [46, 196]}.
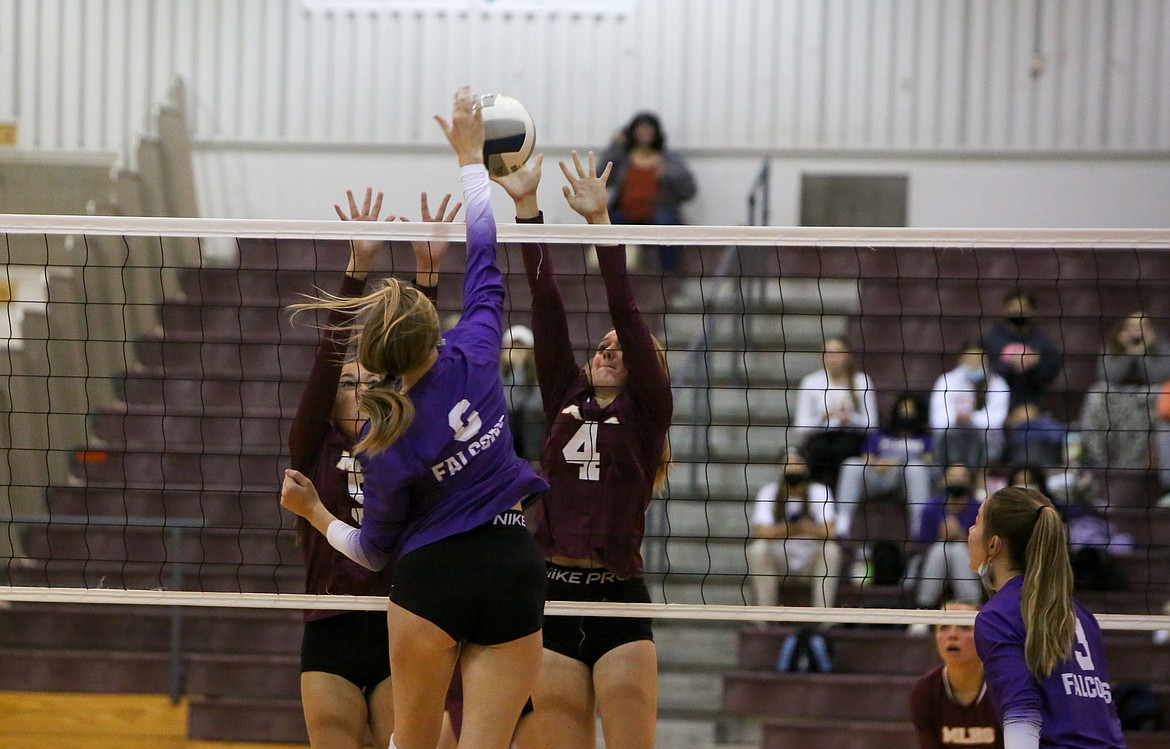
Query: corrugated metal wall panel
{"type": "Point", "coordinates": [888, 75]}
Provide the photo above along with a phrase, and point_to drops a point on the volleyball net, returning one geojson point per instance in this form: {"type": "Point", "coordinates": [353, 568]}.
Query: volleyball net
{"type": "Point", "coordinates": [152, 372]}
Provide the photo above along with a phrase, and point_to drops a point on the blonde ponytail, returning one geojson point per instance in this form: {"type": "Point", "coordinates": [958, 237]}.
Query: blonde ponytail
{"type": "Point", "coordinates": [1036, 542]}
{"type": "Point", "coordinates": [395, 329]}
{"type": "Point", "coordinates": [391, 414]}
{"type": "Point", "coordinates": [1046, 599]}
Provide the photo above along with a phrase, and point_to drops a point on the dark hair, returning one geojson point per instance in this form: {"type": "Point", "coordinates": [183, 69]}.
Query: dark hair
{"type": "Point", "coordinates": [1018, 293]}
{"type": "Point", "coordinates": [1031, 472]}
{"type": "Point", "coordinates": [975, 344]}
{"type": "Point", "coordinates": [659, 141]}
{"type": "Point", "coordinates": [920, 423]}
{"type": "Point", "coordinates": [1036, 542]}
{"type": "Point", "coordinates": [1115, 346]}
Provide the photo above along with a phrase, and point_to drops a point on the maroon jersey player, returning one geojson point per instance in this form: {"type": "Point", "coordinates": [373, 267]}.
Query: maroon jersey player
{"type": "Point", "coordinates": [950, 705]}
{"type": "Point", "coordinates": [345, 666]}
{"type": "Point", "coordinates": [604, 453]}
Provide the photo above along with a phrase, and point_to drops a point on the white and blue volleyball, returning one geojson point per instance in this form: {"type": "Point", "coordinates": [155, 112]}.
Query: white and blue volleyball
{"type": "Point", "coordinates": [509, 134]}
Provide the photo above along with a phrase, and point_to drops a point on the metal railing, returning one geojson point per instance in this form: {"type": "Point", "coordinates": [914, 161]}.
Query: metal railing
{"type": "Point", "coordinates": [694, 373]}
{"type": "Point", "coordinates": [176, 529]}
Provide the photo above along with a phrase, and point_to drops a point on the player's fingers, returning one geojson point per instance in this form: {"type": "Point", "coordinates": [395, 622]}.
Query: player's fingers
{"type": "Point", "coordinates": [340, 213]}
{"type": "Point", "coordinates": [377, 206]}
{"type": "Point", "coordinates": [565, 171]}
{"type": "Point", "coordinates": [353, 211]}
{"type": "Point", "coordinates": [424, 206]}
{"type": "Point", "coordinates": [577, 163]}
{"type": "Point", "coordinates": [442, 212]}
{"type": "Point", "coordinates": [454, 212]}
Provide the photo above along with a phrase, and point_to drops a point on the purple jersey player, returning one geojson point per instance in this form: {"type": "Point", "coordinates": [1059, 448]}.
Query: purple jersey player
{"type": "Point", "coordinates": [345, 665]}
{"type": "Point", "coordinates": [604, 454]}
{"type": "Point", "coordinates": [443, 489]}
{"type": "Point", "coordinates": [1042, 651]}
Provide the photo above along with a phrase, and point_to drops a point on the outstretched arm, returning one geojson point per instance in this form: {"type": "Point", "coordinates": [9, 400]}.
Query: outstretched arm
{"type": "Point", "coordinates": [647, 380]}
{"type": "Point", "coordinates": [556, 369]}
{"type": "Point", "coordinates": [298, 495]}
{"type": "Point", "coordinates": [483, 287]}
{"type": "Point", "coordinates": [311, 422]}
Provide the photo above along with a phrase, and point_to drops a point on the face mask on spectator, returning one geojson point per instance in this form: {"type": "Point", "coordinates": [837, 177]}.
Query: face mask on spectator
{"type": "Point", "coordinates": [795, 478]}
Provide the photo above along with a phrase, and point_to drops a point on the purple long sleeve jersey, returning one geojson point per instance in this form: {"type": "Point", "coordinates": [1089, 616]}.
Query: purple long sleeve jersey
{"type": "Point", "coordinates": [1074, 704]}
{"type": "Point", "coordinates": [454, 469]}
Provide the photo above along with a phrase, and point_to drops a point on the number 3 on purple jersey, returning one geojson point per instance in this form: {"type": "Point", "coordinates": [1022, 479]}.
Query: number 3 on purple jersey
{"type": "Point", "coordinates": [581, 449]}
{"type": "Point", "coordinates": [1081, 649]}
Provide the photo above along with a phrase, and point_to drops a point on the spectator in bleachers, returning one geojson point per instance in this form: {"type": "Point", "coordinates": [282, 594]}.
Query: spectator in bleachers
{"type": "Point", "coordinates": [944, 529]}
{"type": "Point", "coordinates": [1029, 477]}
{"type": "Point", "coordinates": [950, 706]}
{"type": "Point", "coordinates": [968, 407]}
{"type": "Point", "coordinates": [835, 410]}
{"type": "Point", "coordinates": [1117, 416]}
{"type": "Point", "coordinates": [793, 524]}
{"type": "Point", "coordinates": [1162, 439]}
{"type": "Point", "coordinates": [895, 462]}
{"type": "Point", "coordinates": [1024, 357]}
{"type": "Point", "coordinates": [650, 182]}
{"type": "Point", "coordinates": [1034, 437]}
{"type": "Point", "coordinates": [525, 411]}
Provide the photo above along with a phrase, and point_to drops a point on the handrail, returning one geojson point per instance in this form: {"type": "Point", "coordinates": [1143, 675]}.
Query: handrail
{"type": "Point", "coordinates": [694, 372]}
{"type": "Point", "coordinates": [175, 528]}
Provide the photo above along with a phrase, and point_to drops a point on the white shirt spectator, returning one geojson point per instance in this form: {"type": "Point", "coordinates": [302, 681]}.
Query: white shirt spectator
{"type": "Point", "coordinates": [821, 510]}
{"type": "Point", "coordinates": [818, 404]}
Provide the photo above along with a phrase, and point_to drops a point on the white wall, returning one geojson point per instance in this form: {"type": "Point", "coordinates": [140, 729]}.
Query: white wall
{"type": "Point", "coordinates": [1003, 112]}
{"type": "Point", "coordinates": [760, 75]}
{"type": "Point", "coordinates": [950, 192]}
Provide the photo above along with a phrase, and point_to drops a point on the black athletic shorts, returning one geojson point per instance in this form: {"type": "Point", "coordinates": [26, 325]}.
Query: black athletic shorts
{"type": "Point", "coordinates": [353, 645]}
{"type": "Point", "coordinates": [484, 586]}
{"type": "Point", "coordinates": [587, 638]}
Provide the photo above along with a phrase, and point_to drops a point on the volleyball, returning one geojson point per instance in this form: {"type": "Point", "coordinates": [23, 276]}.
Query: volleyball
{"type": "Point", "coordinates": [509, 134]}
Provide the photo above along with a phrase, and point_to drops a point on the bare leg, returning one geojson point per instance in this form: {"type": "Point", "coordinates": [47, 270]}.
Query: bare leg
{"type": "Point", "coordinates": [563, 698]}
{"type": "Point", "coordinates": [381, 708]}
{"type": "Point", "coordinates": [422, 658]}
{"type": "Point", "coordinates": [625, 681]}
{"type": "Point", "coordinates": [497, 681]}
{"type": "Point", "coordinates": [335, 711]}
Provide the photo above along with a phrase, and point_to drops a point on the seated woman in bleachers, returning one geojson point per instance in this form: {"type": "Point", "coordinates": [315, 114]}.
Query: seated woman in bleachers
{"type": "Point", "coordinates": [944, 529]}
{"type": "Point", "coordinates": [895, 462]}
{"type": "Point", "coordinates": [793, 525]}
{"type": "Point", "coordinates": [836, 408]}
{"type": "Point", "coordinates": [968, 407]}
{"type": "Point", "coordinates": [1117, 416]}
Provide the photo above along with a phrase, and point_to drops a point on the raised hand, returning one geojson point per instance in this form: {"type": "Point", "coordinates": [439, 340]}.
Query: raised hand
{"type": "Point", "coordinates": [586, 189]}
{"type": "Point", "coordinates": [428, 255]}
{"type": "Point", "coordinates": [465, 131]}
{"type": "Point", "coordinates": [362, 251]}
{"type": "Point", "coordinates": [521, 186]}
